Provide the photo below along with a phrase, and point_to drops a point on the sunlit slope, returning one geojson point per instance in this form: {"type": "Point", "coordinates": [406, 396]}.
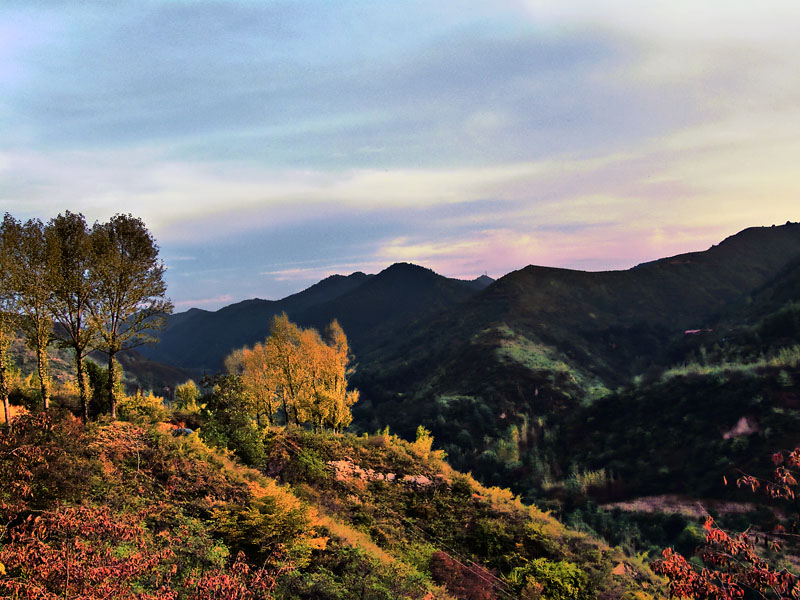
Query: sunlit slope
{"type": "Point", "coordinates": [321, 516]}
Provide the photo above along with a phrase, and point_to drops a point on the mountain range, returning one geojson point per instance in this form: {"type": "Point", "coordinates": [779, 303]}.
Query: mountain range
{"type": "Point", "coordinates": [643, 391]}
{"type": "Point", "coordinates": [506, 372]}
{"type": "Point", "coordinates": [610, 325]}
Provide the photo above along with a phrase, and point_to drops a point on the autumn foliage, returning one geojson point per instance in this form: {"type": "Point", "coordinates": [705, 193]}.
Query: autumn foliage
{"type": "Point", "coordinates": [734, 565]}
{"type": "Point", "coordinates": [92, 552]}
{"type": "Point", "coordinates": [470, 582]}
{"type": "Point", "coordinates": [115, 510]}
{"type": "Point", "coordinates": [297, 372]}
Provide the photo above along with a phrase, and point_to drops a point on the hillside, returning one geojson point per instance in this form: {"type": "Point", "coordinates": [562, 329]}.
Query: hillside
{"type": "Point", "coordinates": [643, 391]}
{"type": "Point", "coordinates": [390, 303]}
{"type": "Point", "coordinates": [199, 340]}
{"type": "Point", "coordinates": [615, 324]}
{"type": "Point", "coordinates": [127, 510]}
{"type": "Point", "coordinates": [540, 343]}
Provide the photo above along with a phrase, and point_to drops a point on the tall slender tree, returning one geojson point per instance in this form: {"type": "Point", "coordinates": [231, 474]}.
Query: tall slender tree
{"type": "Point", "coordinates": [8, 305]}
{"type": "Point", "coordinates": [69, 250]}
{"type": "Point", "coordinates": [129, 300]}
{"type": "Point", "coordinates": [284, 346]}
{"type": "Point", "coordinates": [339, 369]}
{"type": "Point", "coordinates": [32, 281]}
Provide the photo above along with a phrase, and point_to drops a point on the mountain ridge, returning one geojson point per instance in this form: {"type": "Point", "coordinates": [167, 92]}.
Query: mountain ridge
{"type": "Point", "coordinates": [199, 340]}
{"type": "Point", "coordinates": [637, 305]}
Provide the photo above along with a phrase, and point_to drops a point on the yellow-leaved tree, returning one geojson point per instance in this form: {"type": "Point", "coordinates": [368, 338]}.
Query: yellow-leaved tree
{"type": "Point", "coordinates": [298, 371]}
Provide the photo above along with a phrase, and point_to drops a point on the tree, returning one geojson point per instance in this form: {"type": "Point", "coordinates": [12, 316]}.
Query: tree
{"type": "Point", "coordinates": [32, 281]}
{"type": "Point", "coordinates": [340, 369]}
{"type": "Point", "coordinates": [98, 386]}
{"type": "Point", "coordinates": [260, 380]}
{"type": "Point", "coordinates": [228, 423]}
{"type": "Point", "coordinates": [186, 396]}
{"type": "Point", "coordinates": [8, 305]}
{"type": "Point", "coordinates": [732, 562]}
{"type": "Point", "coordinates": [285, 349]}
{"type": "Point", "coordinates": [327, 362]}
{"type": "Point", "coordinates": [296, 368]}
{"type": "Point", "coordinates": [129, 290]}
{"type": "Point", "coordinates": [69, 260]}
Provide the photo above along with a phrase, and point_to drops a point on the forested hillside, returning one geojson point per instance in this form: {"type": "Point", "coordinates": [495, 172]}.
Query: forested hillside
{"type": "Point", "coordinates": [495, 372]}
{"type": "Point", "coordinates": [369, 307]}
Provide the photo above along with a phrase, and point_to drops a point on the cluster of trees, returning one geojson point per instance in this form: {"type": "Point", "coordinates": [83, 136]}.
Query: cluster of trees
{"type": "Point", "coordinates": [85, 288]}
{"type": "Point", "coordinates": [297, 372]}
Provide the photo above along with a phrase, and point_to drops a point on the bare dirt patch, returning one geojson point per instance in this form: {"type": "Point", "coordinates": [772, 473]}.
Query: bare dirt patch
{"type": "Point", "coordinates": [689, 507]}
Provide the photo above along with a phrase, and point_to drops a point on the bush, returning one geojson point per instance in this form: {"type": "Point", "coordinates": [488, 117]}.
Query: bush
{"type": "Point", "coordinates": [141, 408]}
{"type": "Point", "coordinates": [550, 580]}
{"type": "Point", "coordinates": [309, 466]}
{"type": "Point", "coordinates": [277, 523]}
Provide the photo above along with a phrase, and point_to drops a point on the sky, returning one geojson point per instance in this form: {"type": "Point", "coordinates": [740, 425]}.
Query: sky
{"type": "Point", "coordinates": [267, 145]}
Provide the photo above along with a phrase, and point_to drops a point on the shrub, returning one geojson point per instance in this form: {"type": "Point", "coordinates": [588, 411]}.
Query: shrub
{"type": "Point", "coordinates": [309, 466]}
{"type": "Point", "coordinates": [550, 580]}
{"type": "Point", "coordinates": [141, 408]}
{"type": "Point", "coordinates": [276, 523]}
{"type": "Point", "coordinates": [470, 582]}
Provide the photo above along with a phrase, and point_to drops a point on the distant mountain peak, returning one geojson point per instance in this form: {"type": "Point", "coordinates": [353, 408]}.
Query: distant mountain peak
{"type": "Point", "coordinates": [406, 267]}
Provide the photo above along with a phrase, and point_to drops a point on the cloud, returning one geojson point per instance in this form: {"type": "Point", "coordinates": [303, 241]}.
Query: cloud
{"type": "Point", "coordinates": [180, 258]}
{"type": "Point", "coordinates": [317, 273]}
{"type": "Point", "coordinates": [215, 301]}
{"type": "Point", "coordinates": [681, 20]}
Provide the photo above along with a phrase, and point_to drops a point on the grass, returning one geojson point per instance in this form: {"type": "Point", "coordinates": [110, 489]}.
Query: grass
{"type": "Point", "coordinates": [784, 358]}
{"type": "Point", "coordinates": [541, 358]}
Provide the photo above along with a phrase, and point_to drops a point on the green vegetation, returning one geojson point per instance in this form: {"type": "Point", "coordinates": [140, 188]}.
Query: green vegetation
{"type": "Point", "coordinates": [121, 509]}
{"type": "Point", "coordinates": [88, 289]}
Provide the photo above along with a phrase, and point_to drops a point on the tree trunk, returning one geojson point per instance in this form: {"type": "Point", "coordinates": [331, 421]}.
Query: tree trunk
{"type": "Point", "coordinates": [44, 375]}
{"type": "Point", "coordinates": [4, 387]}
{"type": "Point", "coordinates": [112, 377]}
{"type": "Point", "coordinates": [4, 344]}
{"type": "Point", "coordinates": [83, 389]}
{"type": "Point", "coordinates": [285, 408]}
